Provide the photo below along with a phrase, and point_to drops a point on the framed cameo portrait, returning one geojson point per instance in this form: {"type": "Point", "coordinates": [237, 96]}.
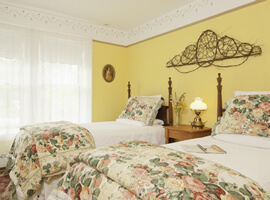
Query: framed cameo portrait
{"type": "Point", "coordinates": [108, 73]}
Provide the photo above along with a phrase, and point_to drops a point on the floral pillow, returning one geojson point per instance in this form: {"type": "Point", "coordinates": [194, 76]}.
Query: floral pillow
{"type": "Point", "coordinates": [142, 108]}
{"type": "Point", "coordinates": [246, 114]}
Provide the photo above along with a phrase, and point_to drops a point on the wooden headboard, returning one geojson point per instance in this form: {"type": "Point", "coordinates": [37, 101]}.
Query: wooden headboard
{"type": "Point", "coordinates": [165, 113]}
{"type": "Point", "coordinates": [220, 108]}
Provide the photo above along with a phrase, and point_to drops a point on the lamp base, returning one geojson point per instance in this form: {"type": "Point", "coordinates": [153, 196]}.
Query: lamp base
{"type": "Point", "coordinates": [197, 122]}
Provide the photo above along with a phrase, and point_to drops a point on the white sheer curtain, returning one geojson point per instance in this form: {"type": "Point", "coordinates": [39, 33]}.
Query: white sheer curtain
{"type": "Point", "coordinates": [63, 79]}
{"type": "Point", "coordinates": [43, 77]}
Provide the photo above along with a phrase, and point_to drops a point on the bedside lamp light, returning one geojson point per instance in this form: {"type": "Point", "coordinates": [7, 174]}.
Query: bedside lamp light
{"type": "Point", "coordinates": [198, 106]}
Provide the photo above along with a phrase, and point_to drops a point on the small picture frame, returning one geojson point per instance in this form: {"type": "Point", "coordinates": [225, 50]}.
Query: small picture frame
{"type": "Point", "coordinates": [108, 73]}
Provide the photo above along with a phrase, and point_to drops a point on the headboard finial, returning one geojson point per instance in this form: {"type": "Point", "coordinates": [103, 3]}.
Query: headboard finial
{"type": "Point", "coordinates": [219, 78]}
{"type": "Point", "coordinates": [170, 86]}
{"type": "Point", "coordinates": [129, 91]}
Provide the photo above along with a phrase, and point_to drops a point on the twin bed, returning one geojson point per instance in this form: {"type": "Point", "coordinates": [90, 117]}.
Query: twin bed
{"type": "Point", "coordinates": [40, 153]}
{"type": "Point", "coordinates": [142, 119]}
{"type": "Point", "coordinates": [133, 169]}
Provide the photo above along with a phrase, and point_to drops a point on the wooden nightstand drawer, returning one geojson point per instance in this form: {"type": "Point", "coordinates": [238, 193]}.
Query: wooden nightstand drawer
{"type": "Point", "coordinates": [185, 132]}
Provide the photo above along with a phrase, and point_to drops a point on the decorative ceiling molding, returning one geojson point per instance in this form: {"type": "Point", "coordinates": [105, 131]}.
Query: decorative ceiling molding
{"type": "Point", "coordinates": [196, 11]}
{"type": "Point", "coordinates": [24, 17]}
{"type": "Point", "coordinates": [191, 13]}
{"type": "Point", "coordinates": [173, 20]}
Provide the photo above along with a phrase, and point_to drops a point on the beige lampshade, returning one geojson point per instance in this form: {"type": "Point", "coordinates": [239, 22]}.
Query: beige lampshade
{"type": "Point", "coordinates": [198, 104]}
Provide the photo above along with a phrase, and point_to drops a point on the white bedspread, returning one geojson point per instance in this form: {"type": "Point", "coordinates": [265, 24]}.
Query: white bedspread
{"type": "Point", "coordinates": [111, 132]}
{"type": "Point", "coordinates": [251, 161]}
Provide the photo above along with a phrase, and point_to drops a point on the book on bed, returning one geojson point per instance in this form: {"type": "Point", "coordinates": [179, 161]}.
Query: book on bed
{"type": "Point", "coordinates": [203, 148]}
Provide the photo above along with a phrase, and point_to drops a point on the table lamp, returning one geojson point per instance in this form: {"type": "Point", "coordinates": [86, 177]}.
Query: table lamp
{"type": "Point", "coordinates": [198, 106]}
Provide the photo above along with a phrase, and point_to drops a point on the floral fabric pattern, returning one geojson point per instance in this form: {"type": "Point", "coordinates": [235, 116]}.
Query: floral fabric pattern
{"type": "Point", "coordinates": [142, 108]}
{"type": "Point", "coordinates": [44, 150]}
{"type": "Point", "coordinates": [246, 114]}
{"type": "Point", "coordinates": [140, 170]}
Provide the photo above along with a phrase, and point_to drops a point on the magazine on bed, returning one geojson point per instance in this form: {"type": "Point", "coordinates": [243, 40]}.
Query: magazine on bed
{"type": "Point", "coordinates": [203, 148]}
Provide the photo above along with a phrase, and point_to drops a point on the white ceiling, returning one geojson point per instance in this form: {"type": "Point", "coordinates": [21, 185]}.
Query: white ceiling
{"type": "Point", "coordinates": [119, 14]}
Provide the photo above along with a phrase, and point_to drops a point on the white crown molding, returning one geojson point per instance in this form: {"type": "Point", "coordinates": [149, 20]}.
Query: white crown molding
{"type": "Point", "coordinates": [193, 12]}
{"type": "Point", "coordinates": [33, 19]}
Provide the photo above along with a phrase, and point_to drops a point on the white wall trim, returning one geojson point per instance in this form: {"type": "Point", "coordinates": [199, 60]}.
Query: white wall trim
{"type": "Point", "coordinates": [193, 12]}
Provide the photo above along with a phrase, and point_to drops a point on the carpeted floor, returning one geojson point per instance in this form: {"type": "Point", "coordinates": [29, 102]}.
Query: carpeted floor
{"type": "Point", "coordinates": [4, 181]}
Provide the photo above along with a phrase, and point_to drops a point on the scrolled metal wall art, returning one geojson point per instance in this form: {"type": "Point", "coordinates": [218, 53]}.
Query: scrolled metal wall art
{"type": "Point", "coordinates": [211, 48]}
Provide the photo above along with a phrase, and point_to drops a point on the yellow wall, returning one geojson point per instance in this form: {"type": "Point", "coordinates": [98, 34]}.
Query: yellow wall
{"type": "Point", "coordinates": [146, 62]}
{"type": "Point", "coordinates": [109, 98]}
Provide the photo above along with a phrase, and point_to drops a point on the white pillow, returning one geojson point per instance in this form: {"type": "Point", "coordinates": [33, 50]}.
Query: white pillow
{"type": "Point", "coordinates": [131, 122]}
{"type": "Point", "coordinates": [158, 122]}
{"type": "Point", "coordinates": [236, 93]}
{"type": "Point", "coordinates": [139, 123]}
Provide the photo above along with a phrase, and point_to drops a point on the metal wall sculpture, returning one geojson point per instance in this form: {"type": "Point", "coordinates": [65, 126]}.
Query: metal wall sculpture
{"type": "Point", "coordinates": [210, 49]}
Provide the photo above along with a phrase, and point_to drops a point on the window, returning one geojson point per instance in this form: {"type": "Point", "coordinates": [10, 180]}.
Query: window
{"type": "Point", "coordinates": [43, 77]}
{"type": "Point", "coordinates": [9, 97]}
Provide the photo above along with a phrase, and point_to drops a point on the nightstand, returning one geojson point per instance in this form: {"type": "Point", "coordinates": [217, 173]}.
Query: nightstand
{"type": "Point", "coordinates": [185, 132]}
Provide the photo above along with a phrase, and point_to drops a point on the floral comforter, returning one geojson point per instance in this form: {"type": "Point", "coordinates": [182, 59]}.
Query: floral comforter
{"type": "Point", "coordinates": [44, 150]}
{"type": "Point", "coordinates": [139, 170]}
